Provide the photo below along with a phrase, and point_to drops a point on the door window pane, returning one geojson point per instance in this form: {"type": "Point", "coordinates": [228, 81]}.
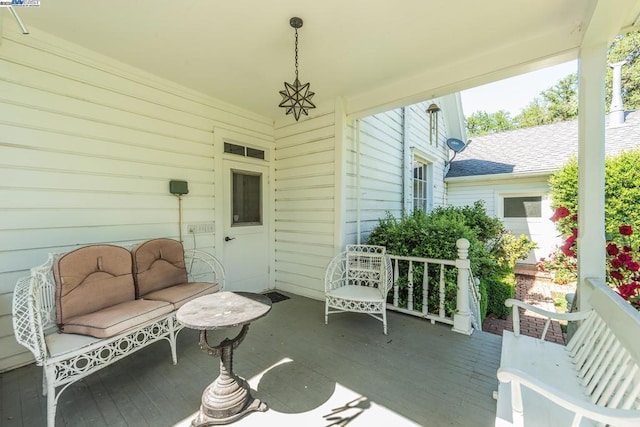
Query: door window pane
{"type": "Point", "coordinates": [247, 197]}
{"type": "Point", "coordinates": [523, 207]}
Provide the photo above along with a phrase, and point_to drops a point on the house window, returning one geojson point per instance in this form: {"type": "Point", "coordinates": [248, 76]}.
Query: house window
{"type": "Point", "coordinates": [523, 207]}
{"type": "Point", "coordinates": [421, 195]}
{"type": "Point", "coordinates": [241, 150]}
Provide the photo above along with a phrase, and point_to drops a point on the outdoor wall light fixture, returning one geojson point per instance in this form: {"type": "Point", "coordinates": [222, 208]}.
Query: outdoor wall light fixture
{"type": "Point", "coordinates": [296, 97]}
{"type": "Point", "coordinates": [433, 111]}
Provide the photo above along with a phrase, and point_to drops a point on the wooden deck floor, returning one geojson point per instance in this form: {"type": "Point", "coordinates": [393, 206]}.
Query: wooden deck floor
{"type": "Point", "coordinates": [310, 374]}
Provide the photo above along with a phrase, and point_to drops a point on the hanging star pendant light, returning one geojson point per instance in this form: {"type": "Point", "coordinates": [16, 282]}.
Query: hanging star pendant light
{"type": "Point", "coordinates": [296, 97]}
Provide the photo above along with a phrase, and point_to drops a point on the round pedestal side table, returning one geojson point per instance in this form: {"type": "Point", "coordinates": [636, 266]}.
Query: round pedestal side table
{"type": "Point", "coordinates": [228, 397]}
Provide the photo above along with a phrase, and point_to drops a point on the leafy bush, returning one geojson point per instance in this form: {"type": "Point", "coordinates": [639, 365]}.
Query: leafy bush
{"type": "Point", "coordinates": [492, 252]}
{"type": "Point", "coordinates": [622, 192]}
{"type": "Point", "coordinates": [420, 235]}
{"type": "Point", "coordinates": [501, 285]}
{"type": "Point", "coordinates": [484, 299]}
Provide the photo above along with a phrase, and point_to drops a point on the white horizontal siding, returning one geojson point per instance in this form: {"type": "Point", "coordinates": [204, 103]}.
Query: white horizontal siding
{"type": "Point", "coordinates": [88, 147]}
{"type": "Point", "coordinates": [304, 188]}
{"type": "Point", "coordinates": [386, 169]}
{"type": "Point", "coordinates": [379, 165]}
{"type": "Point", "coordinates": [433, 147]}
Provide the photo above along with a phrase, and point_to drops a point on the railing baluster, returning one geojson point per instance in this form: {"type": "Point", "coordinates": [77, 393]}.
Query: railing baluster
{"type": "Point", "coordinates": [396, 276]}
{"type": "Point", "coordinates": [410, 287]}
{"type": "Point", "coordinates": [438, 314]}
{"type": "Point", "coordinates": [442, 294]}
{"type": "Point", "coordinates": [425, 289]}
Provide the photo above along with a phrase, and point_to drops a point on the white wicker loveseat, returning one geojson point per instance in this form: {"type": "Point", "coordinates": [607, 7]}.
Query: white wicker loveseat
{"type": "Point", "coordinates": [593, 381]}
{"type": "Point", "coordinates": [84, 310]}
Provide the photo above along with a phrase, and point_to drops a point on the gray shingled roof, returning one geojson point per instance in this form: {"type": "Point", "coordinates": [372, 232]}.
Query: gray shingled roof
{"type": "Point", "coordinates": [537, 149]}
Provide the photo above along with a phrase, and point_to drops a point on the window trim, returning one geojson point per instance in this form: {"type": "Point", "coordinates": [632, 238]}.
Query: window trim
{"type": "Point", "coordinates": [500, 197]}
{"type": "Point", "coordinates": [418, 155]}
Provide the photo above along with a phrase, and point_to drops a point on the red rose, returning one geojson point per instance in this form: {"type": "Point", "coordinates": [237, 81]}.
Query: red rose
{"type": "Point", "coordinates": [612, 249]}
{"type": "Point", "coordinates": [561, 212]}
{"type": "Point", "coordinates": [616, 263]}
{"type": "Point", "coordinates": [568, 252]}
{"type": "Point", "coordinates": [625, 291]}
{"type": "Point", "coordinates": [574, 217]}
{"type": "Point", "coordinates": [633, 266]}
{"type": "Point", "coordinates": [627, 248]}
{"type": "Point", "coordinates": [574, 233]}
{"type": "Point", "coordinates": [625, 258]}
{"type": "Point", "coordinates": [616, 275]}
{"type": "Point", "coordinates": [625, 230]}
{"type": "Point", "coordinates": [628, 290]}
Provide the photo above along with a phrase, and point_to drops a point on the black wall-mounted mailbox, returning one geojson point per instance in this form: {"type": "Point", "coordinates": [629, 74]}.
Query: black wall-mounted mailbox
{"type": "Point", "coordinates": [178, 187]}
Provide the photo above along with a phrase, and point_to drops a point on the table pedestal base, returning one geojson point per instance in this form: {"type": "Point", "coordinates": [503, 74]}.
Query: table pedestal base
{"type": "Point", "coordinates": [228, 398]}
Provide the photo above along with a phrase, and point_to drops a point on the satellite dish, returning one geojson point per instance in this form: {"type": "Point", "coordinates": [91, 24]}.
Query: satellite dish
{"type": "Point", "coordinates": [456, 145]}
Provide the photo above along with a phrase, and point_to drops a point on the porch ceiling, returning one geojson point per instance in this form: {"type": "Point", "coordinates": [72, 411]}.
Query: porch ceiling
{"type": "Point", "coordinates": [373, 53]}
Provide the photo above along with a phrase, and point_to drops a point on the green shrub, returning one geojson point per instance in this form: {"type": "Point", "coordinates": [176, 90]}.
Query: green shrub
{"type": "Point", "coordinates": [492, 253]}
{"type": "Point", "coordinates": [420, 235]}
{"type": "Point", "coordinates": [500, 287]}
{"type": "Point", "coordinates": [484, 300]}
{"type": "Point", "coordinates": [622, 192]}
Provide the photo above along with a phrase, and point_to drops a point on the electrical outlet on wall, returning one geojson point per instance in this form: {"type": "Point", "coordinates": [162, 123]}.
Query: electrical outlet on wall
{"type": "Point", "coordinates": [200, 228]}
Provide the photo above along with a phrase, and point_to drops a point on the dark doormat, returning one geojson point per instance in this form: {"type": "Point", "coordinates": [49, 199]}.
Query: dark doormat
{"type": "Point", "coordinates": [276, 296]}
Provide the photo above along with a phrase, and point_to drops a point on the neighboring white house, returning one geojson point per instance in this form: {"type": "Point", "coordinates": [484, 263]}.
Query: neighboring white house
{"type": "Point", "coordinates": [509, 171]}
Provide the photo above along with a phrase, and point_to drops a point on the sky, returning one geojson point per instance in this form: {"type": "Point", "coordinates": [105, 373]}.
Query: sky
{"type": "Point", "coordinates": [515, 93]}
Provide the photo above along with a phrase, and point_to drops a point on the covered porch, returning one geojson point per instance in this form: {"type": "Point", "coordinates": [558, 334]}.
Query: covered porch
{"type": "Point", "coordinates": [90, 142]}
{"type": "Point", "coordinates": [309, 373]}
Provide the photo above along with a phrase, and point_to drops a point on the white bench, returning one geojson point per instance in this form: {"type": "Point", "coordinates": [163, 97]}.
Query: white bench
{"type": "Point", "coordinates": [594, 380]}
{"type": "Point", "coordinates": [68, 357]}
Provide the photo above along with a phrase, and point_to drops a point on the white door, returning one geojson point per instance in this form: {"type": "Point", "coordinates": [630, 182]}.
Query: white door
{"type": "Point", "coordinates": [246, 222]}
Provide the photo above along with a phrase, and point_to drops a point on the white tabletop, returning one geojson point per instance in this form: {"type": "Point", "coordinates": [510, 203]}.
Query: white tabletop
{"type": "Point", "coordinates": [223, 310]}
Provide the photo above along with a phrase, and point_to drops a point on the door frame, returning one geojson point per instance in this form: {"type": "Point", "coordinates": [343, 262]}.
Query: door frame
{"type": "Point", "coordinates": [220, 137]}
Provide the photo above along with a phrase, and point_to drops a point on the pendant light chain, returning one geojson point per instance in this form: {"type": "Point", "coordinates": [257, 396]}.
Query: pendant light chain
{"type": "Point", "coordinates": [296, 54]}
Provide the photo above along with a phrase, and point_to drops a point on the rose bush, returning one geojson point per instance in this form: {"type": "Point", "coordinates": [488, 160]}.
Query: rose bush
{"type": "Point", "coordinates": [623, 268]}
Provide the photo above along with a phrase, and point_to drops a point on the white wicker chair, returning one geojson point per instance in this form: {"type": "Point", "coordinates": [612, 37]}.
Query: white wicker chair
{"type": "Point", "coordinates": [358, 280]}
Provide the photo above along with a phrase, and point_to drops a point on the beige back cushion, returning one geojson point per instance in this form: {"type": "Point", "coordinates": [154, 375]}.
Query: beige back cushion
{"type": "Point", "coordinates": [158, 264]}
{"type": "Point", "coordinates": [92, 278]}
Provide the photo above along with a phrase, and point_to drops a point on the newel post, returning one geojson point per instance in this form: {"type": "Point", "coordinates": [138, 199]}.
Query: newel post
{"type": "Point", "coordinates": [462, 317]}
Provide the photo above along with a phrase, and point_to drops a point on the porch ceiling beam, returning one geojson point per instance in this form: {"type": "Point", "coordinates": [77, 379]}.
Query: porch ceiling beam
{"type": "Point", "coordinates": [504, 61]}
{"type": "Point", "coordinates": [610, 18]}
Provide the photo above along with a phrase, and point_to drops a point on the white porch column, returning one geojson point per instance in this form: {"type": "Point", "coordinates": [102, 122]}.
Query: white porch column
{"type": "Point", "coordinates": [591, 121]}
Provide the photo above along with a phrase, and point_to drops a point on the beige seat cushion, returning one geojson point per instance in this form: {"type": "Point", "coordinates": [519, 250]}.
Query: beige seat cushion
{"type": "Point", "coordinates": [158, 264]}
{"type": "Point", "coordinates": [180, 294]}
{"type": "Point", "coordinates": [91, 278]}
{"type": "Point", "coordinates": [113, 320]}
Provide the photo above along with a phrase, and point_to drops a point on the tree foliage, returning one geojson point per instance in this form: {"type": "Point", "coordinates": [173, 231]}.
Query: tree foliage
{"type": "Point", "coordinates": [482, 123]}
{"type": "Point", "coordinates": [556, 104]}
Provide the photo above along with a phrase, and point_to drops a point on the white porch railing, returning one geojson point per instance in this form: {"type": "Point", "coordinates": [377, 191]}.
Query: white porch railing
{"type": "Point", "coordinates": [440, 290]}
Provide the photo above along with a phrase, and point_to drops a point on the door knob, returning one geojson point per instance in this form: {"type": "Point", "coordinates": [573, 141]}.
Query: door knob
{"type": "Point", "coordinates": [226, 239]}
